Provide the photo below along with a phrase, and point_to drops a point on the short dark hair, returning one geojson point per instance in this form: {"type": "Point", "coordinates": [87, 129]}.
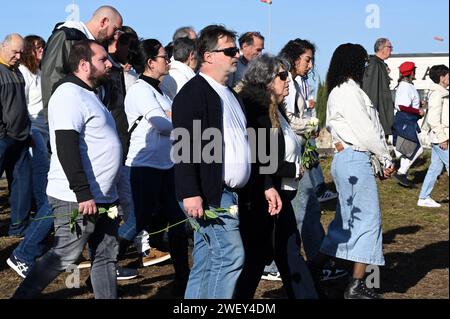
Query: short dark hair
{"type": "Point", "coordinates": [208, 39]}
{"type": "Point", "coordinates": [147, 50]}
{"type": "Point", "coordinates": [249, 38]}
{"type": "Point", "coordinates": [81, 50]}
{"type": "Point", "coordinates": [437, 71]}
{"type": "Point", "coordinates": [294, 49]}
{"type": "Point", "coordinates": [182, 49]}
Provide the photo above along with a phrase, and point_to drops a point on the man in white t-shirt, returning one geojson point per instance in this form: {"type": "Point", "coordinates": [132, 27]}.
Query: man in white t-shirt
{"type": "Point", "coordinates": [84, 168]}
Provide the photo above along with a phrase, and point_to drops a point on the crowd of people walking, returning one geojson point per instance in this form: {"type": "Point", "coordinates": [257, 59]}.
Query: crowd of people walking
{"type": "Point", "coordinates": [133, 136]}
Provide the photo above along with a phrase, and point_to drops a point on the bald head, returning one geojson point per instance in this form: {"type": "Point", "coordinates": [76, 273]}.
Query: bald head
{"type": "Point", "coordinates": [11, 49]}
{"type": "Point", "coordinates": [105, 21]}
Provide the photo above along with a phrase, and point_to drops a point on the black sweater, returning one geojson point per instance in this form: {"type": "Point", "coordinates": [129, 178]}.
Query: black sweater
{"type": "Point", "coordinates": [197, 100]}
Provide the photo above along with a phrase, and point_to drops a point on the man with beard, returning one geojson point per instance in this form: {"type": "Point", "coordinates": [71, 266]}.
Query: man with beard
{"type": "Point", "coordinates": [83, 176]}
{"type": "Point", "coordinates": [105, 22]}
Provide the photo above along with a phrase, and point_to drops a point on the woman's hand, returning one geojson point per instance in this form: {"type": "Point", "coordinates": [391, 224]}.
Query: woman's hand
{"type": "Point", "coordinates": [389, 171]}
{"type": "Point", "coordinates": [274, 201]}
{"type": "Point", "coordinates": [444, 146]}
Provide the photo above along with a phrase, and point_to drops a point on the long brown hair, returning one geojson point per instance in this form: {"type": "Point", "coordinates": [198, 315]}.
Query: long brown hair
{"type": "Point", "coordinates": [29, 58]}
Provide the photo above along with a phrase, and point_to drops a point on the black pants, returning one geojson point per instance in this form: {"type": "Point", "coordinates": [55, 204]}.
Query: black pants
{"type": "Point", "coordinates": [149, 187]}
{"type": "Point", "coordinates": [269, 238]}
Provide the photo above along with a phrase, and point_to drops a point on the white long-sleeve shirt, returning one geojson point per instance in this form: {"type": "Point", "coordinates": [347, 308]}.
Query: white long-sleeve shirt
{"type": "Point", "coordinates": [353, 120]}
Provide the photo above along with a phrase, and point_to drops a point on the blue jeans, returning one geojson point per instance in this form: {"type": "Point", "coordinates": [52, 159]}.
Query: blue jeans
{"type": "Point", "coordinates": [15, 160]}
{"type": "Point", "coordinates": [307, 214]}
{"type": "Point", "coordinates": [68, 246]}
{"type": "Point", "coordinates": [218, 255]}
{"type": "Point", "coordinates": [33, 245]}
{"type": "Point", "coordinates": [439, 159]}
{"type": "Point", "coordinates": [355, 234]}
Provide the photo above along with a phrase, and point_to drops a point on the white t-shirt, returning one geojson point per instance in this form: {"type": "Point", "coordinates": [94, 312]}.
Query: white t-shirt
{"type": "Point", "coordinates": [407, 95]}
{"type": "Point", "coordinates": [130, 78]}
{"type": "Point", "coordinates": [33, 94]}
{"type": "Point", "coordinates": [236, 149]}
{"type": "Point", "coordinates": [73, 108]}
{"type": "Point", "coordinates": [292, 153]}
{"type": "Point", "coordinates": [150, 142]}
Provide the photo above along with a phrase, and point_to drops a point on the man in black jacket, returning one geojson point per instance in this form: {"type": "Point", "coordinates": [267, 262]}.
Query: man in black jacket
{"type": "Point", "coordinates": [15, 133]}
{"type": "Point", "coordinates": [208, 181]}
{"type": "Point", "coordinates": [376, 84]}
{"type": "Point", "coordinates": [101, 27]}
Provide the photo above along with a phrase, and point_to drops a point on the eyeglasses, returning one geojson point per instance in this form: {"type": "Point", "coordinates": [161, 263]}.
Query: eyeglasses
{"type": "Point", "coordinates": [283, 75]}
{"type": "Point", "coordinates": [165, 57]}
{"type": "Point", "coordinates": [389, 46]}
{"type": "Point", "coordinates": [230, 52]}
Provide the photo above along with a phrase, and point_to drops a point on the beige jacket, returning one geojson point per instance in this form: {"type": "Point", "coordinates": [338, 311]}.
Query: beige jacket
{"type": "Point", "coordinates": [438, 113]}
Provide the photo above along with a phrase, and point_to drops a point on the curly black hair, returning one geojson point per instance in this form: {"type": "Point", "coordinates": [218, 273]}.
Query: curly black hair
{"type": "Point", "coordinates": [348, 62]}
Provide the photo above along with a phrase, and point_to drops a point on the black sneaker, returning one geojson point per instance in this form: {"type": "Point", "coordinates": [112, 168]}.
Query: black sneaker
{"type": "Point", "coordinates": [357, 289]}
{"type": "Point", "coordinates": [19, 266]}
{"type": "Point", "coordinates": [404, 181]}
{"type": "Point", "coordinates": [126, 273]}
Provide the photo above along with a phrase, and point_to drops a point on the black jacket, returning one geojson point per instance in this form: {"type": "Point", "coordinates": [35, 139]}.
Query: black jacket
{"type": "Point", "coordinates": [256, 103]}
{"type": "Point", "coordinates": [197, 100]}
{"type": "Point", "coordinates": [376, 85]}
{"type": "Point", "coordinates": [54, 65]}
{"type": "Point", "coordinates": [14, 120]}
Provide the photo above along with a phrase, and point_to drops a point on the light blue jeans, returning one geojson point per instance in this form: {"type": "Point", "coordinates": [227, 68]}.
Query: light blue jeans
{"type": "Point", "coordinates": [355, 234]}
{"type": "Point", "coordinates": [439, 159]}
{"type": "Point", "coordinates": [218, 255]}
{"type": "Point", "coordinates": [307, 214]}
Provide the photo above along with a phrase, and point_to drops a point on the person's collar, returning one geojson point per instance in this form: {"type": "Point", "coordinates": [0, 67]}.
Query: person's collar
{"type": "Point", "coordinates": [151, 81]}
{"type": "Point", "coordinates": [72, 78]}
{"type": "Point", "coordinates": [244, 60]}
{"type": "Point", "coordinates": [10, 67]}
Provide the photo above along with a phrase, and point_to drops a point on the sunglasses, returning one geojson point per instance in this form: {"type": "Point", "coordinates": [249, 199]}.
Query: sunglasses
{"type": "Point", "coordinates": [283, 75]}
{"type": "Point", "coordinates": [230, 52]}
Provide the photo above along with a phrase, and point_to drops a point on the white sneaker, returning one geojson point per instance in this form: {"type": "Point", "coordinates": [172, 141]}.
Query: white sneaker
{"type": "Point", "coordinates": [271, 276]}
{"type": "Point", "coordinates": [326, 196]}
{"type": "Point", "coordinates": [428, 202]}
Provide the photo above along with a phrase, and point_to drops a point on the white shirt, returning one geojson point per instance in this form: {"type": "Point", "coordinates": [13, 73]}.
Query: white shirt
{"type": "Point", "coordinates": [179, 75]}
{"type": "Point", "coordinates": [353, 120]}
{"type": "Point", "coordinates": [100, 147]}
{"type": "Point", "coordinates": [150, 142]}
{"type": "Point", "coordinates": [407, 95]}
{"type": "Point", "coordinates": [79, 26]}
{"type": "Point", "coordinates": [236, 149]}
{"type": "Point", "coordinates": [33, 94]}
{"type": "Point", "coordinates": [130, 78]}
{"type": "Point", "coordinates": [292, 153]}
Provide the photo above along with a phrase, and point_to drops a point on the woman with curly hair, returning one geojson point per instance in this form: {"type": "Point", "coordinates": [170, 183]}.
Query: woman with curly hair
{"type": "Point", "coordinates": [265, 85]}
{"type": "Point", "coordinates": [355, 234]}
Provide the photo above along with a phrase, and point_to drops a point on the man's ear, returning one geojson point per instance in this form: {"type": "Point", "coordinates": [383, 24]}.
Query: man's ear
{"type": "Point", "coordinates": [84, 66]}
{"type": "Point", "coordinates": [207, 57]}
{"type": "Point", "coordinates": [104, 22]}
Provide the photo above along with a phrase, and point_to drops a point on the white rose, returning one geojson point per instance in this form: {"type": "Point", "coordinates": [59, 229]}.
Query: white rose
{"type": "Point", "coordinates": [113, 212]}
{"type": "Point", "coordinates": [234, 210]}
{"type": "Point", "coordinates": [314, 121]}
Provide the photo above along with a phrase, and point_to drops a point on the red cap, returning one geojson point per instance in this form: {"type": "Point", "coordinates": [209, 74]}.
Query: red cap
{"type": "Point", "coordinates": [407, 68]}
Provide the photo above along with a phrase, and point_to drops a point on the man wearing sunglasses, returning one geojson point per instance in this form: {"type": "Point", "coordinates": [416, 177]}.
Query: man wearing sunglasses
{"type": "Point", "coordinates": [208, 185]}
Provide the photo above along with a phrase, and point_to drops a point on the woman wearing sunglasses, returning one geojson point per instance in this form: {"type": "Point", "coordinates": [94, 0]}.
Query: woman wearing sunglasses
{"type": "Point", "coordinates": [267, 236]}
